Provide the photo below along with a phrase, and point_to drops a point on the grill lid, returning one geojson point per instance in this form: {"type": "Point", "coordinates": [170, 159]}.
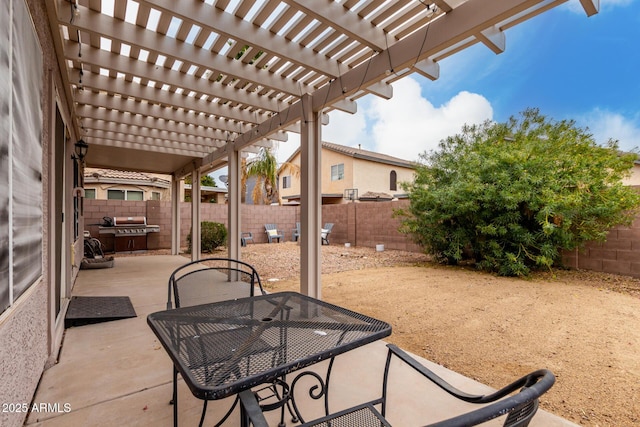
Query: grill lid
{"type": "Point", "coordinates": [129, 220]}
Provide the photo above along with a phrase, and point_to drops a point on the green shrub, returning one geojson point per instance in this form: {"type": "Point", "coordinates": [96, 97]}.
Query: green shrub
{"type": "Point", "coordinates": [510, 197]}
{"type": "Point", "coordinates": [212, 235]}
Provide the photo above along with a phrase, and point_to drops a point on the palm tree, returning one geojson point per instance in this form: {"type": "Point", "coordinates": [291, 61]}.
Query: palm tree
{"type": "Point", "coordinates": [264, 168]}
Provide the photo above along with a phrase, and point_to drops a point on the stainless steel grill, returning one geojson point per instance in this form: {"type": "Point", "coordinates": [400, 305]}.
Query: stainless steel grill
{"type": "Point", "coordinates": [130, 232]}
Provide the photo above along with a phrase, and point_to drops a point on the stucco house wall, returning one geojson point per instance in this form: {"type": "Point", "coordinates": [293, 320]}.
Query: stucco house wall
{"type": "Point", "coordinates": [634, 178]}
{"type": "Point", "coordinates": [363, 170]}
{"type": "Point", "coordinates": [329, 159]}
{"type": "Point", "coordinates": [376, 177]}
{"type": "Point", "coordinates": [29, 338]}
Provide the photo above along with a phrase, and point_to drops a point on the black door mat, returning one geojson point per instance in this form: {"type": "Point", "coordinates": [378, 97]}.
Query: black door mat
{"type": "Point", "coordinates": [89, 310]}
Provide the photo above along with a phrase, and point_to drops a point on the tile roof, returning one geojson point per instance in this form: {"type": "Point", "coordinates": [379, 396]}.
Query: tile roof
{"type": "Point", "coordinates": [112, 175]}
{"type": "Point", "coordinates": [359, 153]}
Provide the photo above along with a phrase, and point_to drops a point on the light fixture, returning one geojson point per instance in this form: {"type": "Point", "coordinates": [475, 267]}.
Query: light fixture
{"type": "Point", "coordinates": [81, 149]}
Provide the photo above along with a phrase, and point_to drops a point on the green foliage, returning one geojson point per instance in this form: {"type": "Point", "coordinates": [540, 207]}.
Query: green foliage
{"type": "Point", "coordinates": [212, 235]}
{"type": "Point", "coordinates": [208, 181]}
{"type": "Point", "coordinates": [205, 180]}
{"type": "Point", "coordinates": [511, 196]}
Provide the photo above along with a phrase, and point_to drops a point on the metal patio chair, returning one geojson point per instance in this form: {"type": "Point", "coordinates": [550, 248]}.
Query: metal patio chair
{"type": "Point", "coordinates": [204, 281]}
{"type": "Point", "coordinates": [518, 400]}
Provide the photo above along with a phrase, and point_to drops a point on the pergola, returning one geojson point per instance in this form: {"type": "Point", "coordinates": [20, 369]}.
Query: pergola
{"type": "Point", "coordinates": [184, 87]}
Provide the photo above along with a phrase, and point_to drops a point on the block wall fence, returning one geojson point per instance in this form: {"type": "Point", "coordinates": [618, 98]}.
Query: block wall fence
{"type": "Point", "coordinates": [364, 224]}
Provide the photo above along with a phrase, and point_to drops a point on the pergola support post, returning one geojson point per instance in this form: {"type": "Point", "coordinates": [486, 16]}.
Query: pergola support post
{"type": "Point", "coordinates": [310, 200]}
{"type": "Point", "coordinates": [195, 215]}
{"type": "Point", "coordinates": [175, 216]}
{"type": "Point", "coordinates": [234, 195]}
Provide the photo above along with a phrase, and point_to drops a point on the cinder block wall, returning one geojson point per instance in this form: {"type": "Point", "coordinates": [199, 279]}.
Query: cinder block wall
{"type": "Point", "coordinates": [619, 254]}
{"type": "Point", "coordinates": [361, 224]}
{"type": "Point", "coordinates": [95, 210]}
{"type": "Point", "coordinates": [254, 217]}
{"type": "Point", "coordinates": [375, 224]}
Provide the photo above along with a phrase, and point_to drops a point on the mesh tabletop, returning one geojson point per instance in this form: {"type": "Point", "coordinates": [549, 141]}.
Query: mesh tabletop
{"type": "Point", "coordinates": [225, 347]}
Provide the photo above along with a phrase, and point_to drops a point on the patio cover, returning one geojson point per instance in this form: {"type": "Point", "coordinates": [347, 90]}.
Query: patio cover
{"type": "Point", "coordinates": [184, 87]}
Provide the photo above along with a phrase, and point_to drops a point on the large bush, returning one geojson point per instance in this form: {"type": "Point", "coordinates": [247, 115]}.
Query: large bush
{"type": "Point", "coordinates": [212, 235]}
{"type": "Point", "coordinates": [512, 196]}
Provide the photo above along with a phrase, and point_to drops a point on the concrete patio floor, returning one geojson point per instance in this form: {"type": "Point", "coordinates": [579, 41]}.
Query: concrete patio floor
{"type": "Point", "coordinates": [117, 374]}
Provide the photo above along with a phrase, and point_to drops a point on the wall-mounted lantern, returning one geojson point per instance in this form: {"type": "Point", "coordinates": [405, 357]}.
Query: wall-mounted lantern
{"type": "Point", "coordinates": [81, 149]}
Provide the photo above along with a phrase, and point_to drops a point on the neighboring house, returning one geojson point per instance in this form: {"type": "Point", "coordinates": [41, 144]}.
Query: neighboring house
{"type": "Point", "coordinates": [349, 174]}
{"type": "Point", "coordinates": [207, 194]}
{"type": "Point", "coordinates": [109, 184]}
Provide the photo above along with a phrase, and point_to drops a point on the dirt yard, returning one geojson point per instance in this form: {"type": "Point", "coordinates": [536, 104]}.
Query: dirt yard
{"type": "Point", "coordinates": [583, 326]}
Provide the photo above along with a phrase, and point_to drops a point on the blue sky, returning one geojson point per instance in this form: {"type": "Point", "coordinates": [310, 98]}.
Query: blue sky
{"type": "Point", "coordinates": [568, 65]}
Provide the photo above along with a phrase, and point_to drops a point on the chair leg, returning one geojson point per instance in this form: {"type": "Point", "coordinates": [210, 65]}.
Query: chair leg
{"type": "Point", "coordinates": [204, 412]}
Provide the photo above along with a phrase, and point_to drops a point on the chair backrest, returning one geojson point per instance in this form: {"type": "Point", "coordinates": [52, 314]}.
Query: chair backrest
{"type": "Point", "coordinates": [328, 226]}
{"type": "Point", "coordinates": [211, 280]}
{"type": "Point", "coordinates": [270, 227]}
{"type": "Point", "coordinates": [519, 399]}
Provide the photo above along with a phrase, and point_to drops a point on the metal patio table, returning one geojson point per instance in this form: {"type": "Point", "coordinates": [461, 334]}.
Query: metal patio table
{"type": "Point", "coordinates": [224, 348]}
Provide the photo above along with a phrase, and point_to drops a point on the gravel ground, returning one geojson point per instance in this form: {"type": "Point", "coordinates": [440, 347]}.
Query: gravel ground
{"type": "Point", "coordinates": [279, 261]}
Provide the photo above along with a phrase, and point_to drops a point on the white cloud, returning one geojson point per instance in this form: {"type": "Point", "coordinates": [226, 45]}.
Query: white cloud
{"type": "Point", "coordinates": [403, 126]}
{"type": "Point", "coordinates": [408, 124]}
{"type": "Point", "coordinates": [284, 149]}
{"type": "Point", "coordinates": [347, 129]}
{"type": "Point", "coordinates": [605, 125]}
{"type": "Point", "coordinates": [343, 128]}
{"type": "Point", "coordinates": [576, 7]}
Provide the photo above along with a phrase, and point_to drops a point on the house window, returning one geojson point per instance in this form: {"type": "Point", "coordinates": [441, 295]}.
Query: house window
{"type": "Point", "coordinates": [286, 181]}
{"type": "Point", "coordinates": [90, 193]}
{"type": "Point", "coordinates": [125, 195]}
{"type": "Point", "coordinates": [337, 172]}
{"type": "Point", "coordinates": [393, 181]}
{"type": "Point", "coordinates": [155, 195]}
{"type": "Point", "coordinates": [115, 194]}
{"type": "Point", "coordinates": [134, 195]}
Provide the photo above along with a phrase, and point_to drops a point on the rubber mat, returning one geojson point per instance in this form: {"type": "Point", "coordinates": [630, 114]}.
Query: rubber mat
{"type": "Point", "coordinates": [89, 310]}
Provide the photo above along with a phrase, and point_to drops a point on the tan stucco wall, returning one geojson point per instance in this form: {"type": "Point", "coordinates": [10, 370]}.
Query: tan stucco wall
{"type": "Point", "coordinates": [634, 179]}
{"type": "Point", "coordinates": [23, 350]}
{"type": "Point", "coordinates": [371, 176]}
{"type": "Point", "coordinates": [28, 339]}
{"type": "Point", "coordinates": [358, 173]}
{"type": "Point", "coordinates": [102, 189]}
{"type": "Point", "coordinates": [295, 181]}
{"type": "Point", "coordinates": [331, 158]}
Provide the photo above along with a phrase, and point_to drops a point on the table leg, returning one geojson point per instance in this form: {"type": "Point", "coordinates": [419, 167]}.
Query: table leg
{"type": "Point", "coordinates": [174, 401]}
